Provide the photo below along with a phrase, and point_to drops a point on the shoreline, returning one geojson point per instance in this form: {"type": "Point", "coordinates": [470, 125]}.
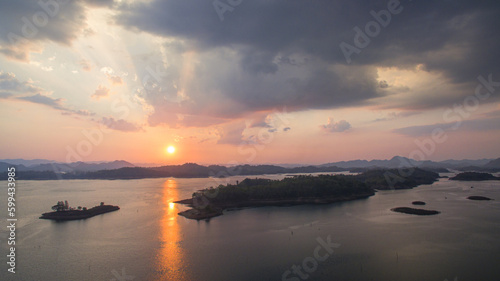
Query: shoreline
{"type": "Point", "coordinates": [79, 214]}
{"type": "Point", "coordinates": [216, 210]}
{"type": "Point", "coordinates": [415, 211]}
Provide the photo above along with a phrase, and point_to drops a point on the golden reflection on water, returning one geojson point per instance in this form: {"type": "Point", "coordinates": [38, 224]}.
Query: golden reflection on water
{"type": "Point", "coordinates": [170, 264]}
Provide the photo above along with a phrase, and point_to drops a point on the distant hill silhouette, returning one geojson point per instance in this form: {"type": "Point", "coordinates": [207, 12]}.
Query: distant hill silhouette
{"type": "Point", "coordinates": [465, 163]}
{"type": "Point", "coordinates": [64, 167]}
{"type": "Point", "coordinates": [192, 170]}
{"type": "Point", "coordinates": [82, 166]}
{"type": "Point", "coordinates": [188, 170]}
{"type": "Point", "coordinates": [493, 164]}
{"type": "Point", "coordinates": [4, 166]}
{"type": "Point", "coordinates": [395, 162]}
{"type": "Point", "coordinates": [27, 163]}
{"type": "Point", "coordinates": [399, 161]}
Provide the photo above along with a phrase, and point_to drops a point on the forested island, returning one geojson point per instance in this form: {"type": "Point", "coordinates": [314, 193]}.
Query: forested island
{"type": "Point", "coordinates": [474, 176]}
{"type": "Point", "coordinates": [421, 203]}
{"type": "Point", "coordinates": [407, 178]}
{"type": "Point", "coordinates": [414, 211]}
{"type": "Point", "coordinates": [62, 212]}
{"type": "Point", "coordinates": [303, 189]}
{"type": "Point", "coordinates": [479, 198]}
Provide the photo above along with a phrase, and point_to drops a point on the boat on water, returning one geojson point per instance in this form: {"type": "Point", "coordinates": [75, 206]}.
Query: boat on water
{"type": "Point", "coordinates": [62, 211]}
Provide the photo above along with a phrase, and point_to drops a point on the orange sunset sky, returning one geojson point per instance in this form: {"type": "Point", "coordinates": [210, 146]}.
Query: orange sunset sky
{"type": "Point", "coordinates": [104, 80]}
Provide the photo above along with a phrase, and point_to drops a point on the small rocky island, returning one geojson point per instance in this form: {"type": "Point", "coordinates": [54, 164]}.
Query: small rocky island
{"type": "Point", "coordinates": [474, 176]}
{"type": "Point", "coordinates": [479, 198]}
{"type": "Point", "coordinates": [297, 190]}
{"type": "Point", "coordinates": [413, 211]}
{"type": "Point", "coordinates": [418, 203]}
{"type": "Point", "coordinates": [63, 212]}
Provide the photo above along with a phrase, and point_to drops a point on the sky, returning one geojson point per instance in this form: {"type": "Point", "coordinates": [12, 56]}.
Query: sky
{"type": "Point", "coordinates": [240, 81]}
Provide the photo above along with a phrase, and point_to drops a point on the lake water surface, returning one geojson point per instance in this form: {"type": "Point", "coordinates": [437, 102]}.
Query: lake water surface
{"type": "Point", "coordinates": [147, 240]}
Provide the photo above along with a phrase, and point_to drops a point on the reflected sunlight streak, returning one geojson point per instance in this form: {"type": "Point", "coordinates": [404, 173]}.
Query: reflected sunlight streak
{"type": "Point", "coordinates": [170, 257]}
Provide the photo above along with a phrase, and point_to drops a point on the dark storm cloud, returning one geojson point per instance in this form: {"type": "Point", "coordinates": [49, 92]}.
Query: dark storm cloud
{"type": "Point", "coordinates": [100, 3]}
{"type": "Point", "coordinates": [287, 52]}
{"type": "Point", "coordinates": [5, 95]}
{"type": "Point", "coordinates": [461, 31]}
{"type": "Point", "coordinates": [24, 24]}
{"type": "Point", "coordinates": [222, 89]}
{"type": "Point", "coordinates": [495, 113]}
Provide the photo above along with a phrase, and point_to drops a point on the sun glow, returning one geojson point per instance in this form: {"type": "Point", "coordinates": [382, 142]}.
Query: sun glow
{"type": "Point", "coordinates": [170, 149]}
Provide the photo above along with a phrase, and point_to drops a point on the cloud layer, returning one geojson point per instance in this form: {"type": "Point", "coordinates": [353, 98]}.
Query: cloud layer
{"type": "Point", "coordinates": [26, 24]}
{"type": "Point", "coordinates": [213, 71]}
{"type": "Point", "coordinates": [260, 56]}
{"type": "Point", "coordinates": [488, 124]}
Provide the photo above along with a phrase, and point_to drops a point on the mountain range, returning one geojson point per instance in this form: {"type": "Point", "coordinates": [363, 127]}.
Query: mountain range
{"type": "Point", "coordinates": [119, 169]}
{"type": "Point", "coordinates": [398, 161]}
{"type": "Point", "coordinates": [48, 165]}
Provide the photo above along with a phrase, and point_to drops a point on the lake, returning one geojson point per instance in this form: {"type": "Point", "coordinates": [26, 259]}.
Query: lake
{"type": "Point", "coordinates": [147, 240]}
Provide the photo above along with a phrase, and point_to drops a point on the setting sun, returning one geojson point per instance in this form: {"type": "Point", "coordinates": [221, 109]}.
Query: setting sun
{"type": "Point", "coordinates": [170, 149]}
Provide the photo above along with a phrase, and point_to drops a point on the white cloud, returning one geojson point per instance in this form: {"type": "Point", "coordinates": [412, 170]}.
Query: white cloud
{"type": "Point", "coordinates": [115, 80]}
{"type": "Point", "coordinates": [101, 92]}
{"type": "Point", "coordinates": [332, 126]}
{"type": "Point", "coordinates": [107, 70]}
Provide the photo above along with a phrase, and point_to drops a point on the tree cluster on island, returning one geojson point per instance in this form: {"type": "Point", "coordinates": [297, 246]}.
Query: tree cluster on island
{"type": "Point", "coordinates": [474, 176]}
{"type": "Point", "coordinates": [298, 187]}
{"type": "Point", "coordinates": [301, 189]}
